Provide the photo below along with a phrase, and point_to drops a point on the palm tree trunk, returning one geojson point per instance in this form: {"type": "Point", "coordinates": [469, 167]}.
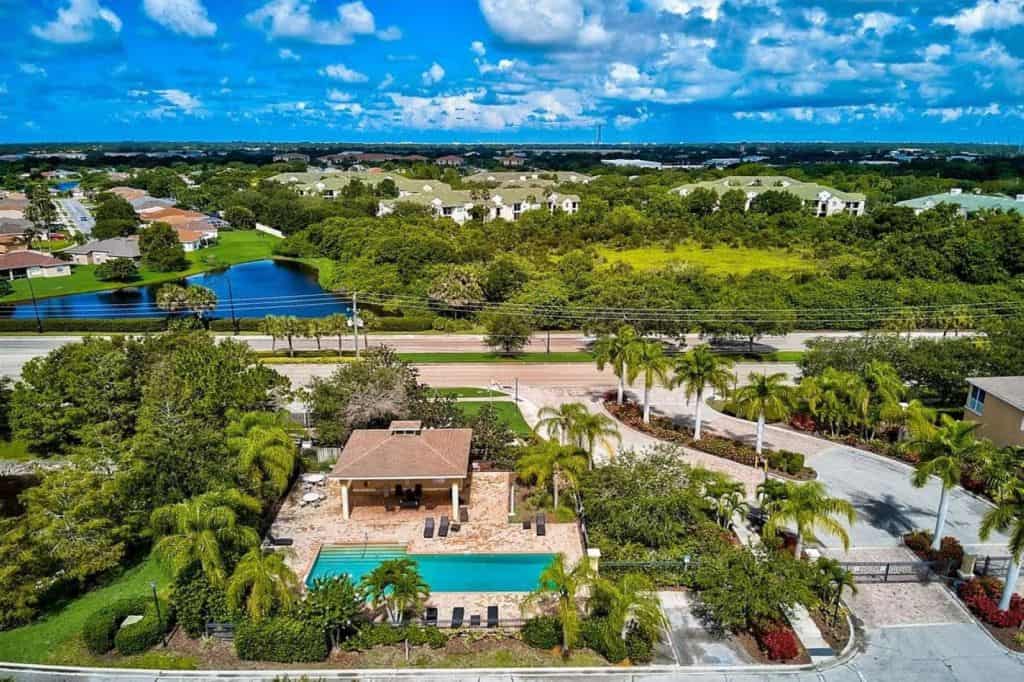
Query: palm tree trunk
{"type": "Point", "coordinates": [554, 485]}
{"type": "Point", "coordinates": [940, 522]}
{"type": "Point", "coordinates": [760, 433]}
{"type": "Point", "coordinates": [1011, 583]}
{"type": "Point", "coordinates": [696, 425]}
{"type": "Point", "coordinates": [622, 386]}
{"type": "Point", "coordinates": [339, 344]}
{"type": "Point", "coordinates": [647, 402]}
{"type": "Point", "coordinates": [799, 549]}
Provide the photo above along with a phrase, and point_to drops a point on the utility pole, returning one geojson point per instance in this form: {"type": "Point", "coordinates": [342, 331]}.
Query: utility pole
{"type": "Point", "coordinates": [231, 302]}
{"type": "Point", "coordinates": [35, 304]}
{"type": "Point", "coordinates": [355, 325]}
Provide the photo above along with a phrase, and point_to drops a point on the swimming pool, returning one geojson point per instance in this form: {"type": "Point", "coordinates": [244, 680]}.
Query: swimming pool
{"type": "Point", "coordinates": [443, 572]}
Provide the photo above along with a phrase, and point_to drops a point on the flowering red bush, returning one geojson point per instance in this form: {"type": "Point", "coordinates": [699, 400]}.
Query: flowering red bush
{"type": "Point", "coordinates": [802, 422]}
{"type": "Point", "coordinates": [919, 542]}
{"type": "Point", "coordinates": [982, 597]}
{"type": "Point", "coordinates": [780, 643]}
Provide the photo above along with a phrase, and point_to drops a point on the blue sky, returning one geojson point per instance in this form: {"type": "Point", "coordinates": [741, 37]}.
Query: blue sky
{"type": "Point", "coordinates": [512, 70]}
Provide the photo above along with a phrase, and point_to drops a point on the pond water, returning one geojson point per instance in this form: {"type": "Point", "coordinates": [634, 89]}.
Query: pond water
{"type": "Point", "coordinates": [259, 288]}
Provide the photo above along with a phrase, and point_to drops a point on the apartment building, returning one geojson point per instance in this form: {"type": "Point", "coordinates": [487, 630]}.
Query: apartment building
{"type": "Point", "coordinates": [817, 199]}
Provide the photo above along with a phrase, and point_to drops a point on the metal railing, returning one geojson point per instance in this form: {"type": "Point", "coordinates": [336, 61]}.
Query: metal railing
{"type": "Point", "coordinates": [898, 571]}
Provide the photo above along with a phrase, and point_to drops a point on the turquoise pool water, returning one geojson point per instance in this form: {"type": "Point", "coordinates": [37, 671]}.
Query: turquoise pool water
{"type": "Point", "coordinates": [443, 572]}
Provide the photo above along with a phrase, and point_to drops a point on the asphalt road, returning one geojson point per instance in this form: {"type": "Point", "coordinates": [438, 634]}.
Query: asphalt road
{"type": "Point", "coordinates": [76, 211]}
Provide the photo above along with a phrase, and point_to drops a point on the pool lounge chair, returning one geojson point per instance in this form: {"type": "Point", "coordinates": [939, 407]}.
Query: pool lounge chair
{"type": "Point", "coordinates": [428, 527]}
{"type": "Point", "coordinates": [458, 615]}
{"type": "Point", "coordinates": [526, 524]}
{"type": "Point", "coordinates": [430, 617]}
{"type": "Point", "coordinates": [463, 515]}
{"type": "Point", "coordinates": [492, 616]}
{"type": "Point", "coordinates": [474, 620]}
{"type": "Point", "coordinates": [542, 528]}
{"type": "Point", "coordinates": [442, 530]}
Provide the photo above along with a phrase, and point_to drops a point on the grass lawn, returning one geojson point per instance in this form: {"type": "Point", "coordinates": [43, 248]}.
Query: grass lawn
{"type": "Point", "coordinates": [55, 637]}
{"type": "Point", "coordinates": [507, 411]}
{"type": "Point", "coordinates": [14, 449]}
{"type": "Point", "coordinates": [232, 247]}
{"type": "Point", "coordinates": [468, 392]}
{"type": "Point", "coordinates": [718, 260]}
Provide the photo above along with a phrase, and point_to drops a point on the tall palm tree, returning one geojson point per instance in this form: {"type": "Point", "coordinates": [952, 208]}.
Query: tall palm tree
{"type": "Point", "coordinates": [291, 327]}
{"type": "Point", "coordinates": [836, 579]}
{"type": "Point", "coordinates": [726, 499]}
{"type": "Point", "coordinates": [647, 357]}
{"type": "Point", "coordinates": [263, 582]}
{"type": "Point", "coordinates": [944, 452]}
{"type": "Point", "coordinates": [1008, 517]}
{"type": "Point", "coordinates": [561, 423]}
{"type": "Point", "coordinates": [629, 601]}
{"type": "Point", "coordinates": [613, 350]}
{"type": "Point", "coordinates": [548, 462]}
{"type": "Point", "coordinates": [265, 447]}
{"type": "Point", "coordinates": [201, 529]}
{"type": "Point", "coordinates": [396, 585]}
{"type": "Point", "coordinates": [271, 326]}
{"type": "Point", "coordinates": [565, 586]}
{"type": "Point", "coordinates": [697, 370]}
{"type": "Point", "coordinates": [808, 507]}
{"type": "Point", "coordinates": [336, 325]}
{"type": "Point", "coordinates": [765, 397]}
{"type": "Point", "coordinates": [593, 429]}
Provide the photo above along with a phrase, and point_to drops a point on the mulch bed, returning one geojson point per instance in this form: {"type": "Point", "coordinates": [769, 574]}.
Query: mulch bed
{"type": "Point", "coordinates": [1004, 635]}
{"type": "Point", "coordinates": [750, 645]}
{"type": "Point", "coordinates": [631, 414]}
{"type": "Point", "coordinates": [837, 636]}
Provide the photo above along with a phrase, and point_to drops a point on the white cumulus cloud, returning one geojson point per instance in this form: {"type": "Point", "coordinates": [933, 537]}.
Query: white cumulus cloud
{"type": "Point", "coordinates": [187, 17]}
{"type": "Point", "coordinates": [477, 48]}
{"type": "Point", "coordinates": [293, 19]}
{"type": "Point", "coordinates": [77, 21]}
{"type": "Point", "coordinates": [288, 55]}
{"type": "Point", "coordinates": [550, 21]}
{"type": "Point", "coordinates": [986, 15]}
{"type": "Point", "coordinates": [340, 72]}
{"type": "Point", "coordinates": [882, 23]}
{"type": "Point", "coordinates": [30, 69]}
{"type": "Point", "coordinates": [181, 100]}
{"type": "Point", "coordinates": [435, 74]}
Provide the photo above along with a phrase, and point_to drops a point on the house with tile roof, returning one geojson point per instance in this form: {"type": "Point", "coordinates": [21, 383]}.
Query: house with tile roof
{"type": "Point", "coordinates": [103, 250]}
{"type": "Point", "coordinates": [966, 203]}
{"type": "Point", "coordinates": [819, 200]}
{"type": "Point", "coordinates": [25, 264]}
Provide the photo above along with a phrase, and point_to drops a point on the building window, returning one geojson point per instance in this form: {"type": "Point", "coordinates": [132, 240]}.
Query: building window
{"type": "Point", "coordinates": [976, 400]}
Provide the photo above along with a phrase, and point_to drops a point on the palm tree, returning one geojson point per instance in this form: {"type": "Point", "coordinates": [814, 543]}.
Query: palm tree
{"type": "Point", "coordinates": [836, 579]}
{"type": "Point", "coordinates": [613, 350]}
{"type": "Point", "coordinates": [697, 370]}
{"type": "Point", "coordinates": [171, 298]}
{"type": "Point", "coordinates": [1008, 517]}
{"type": "Point", "coordinates": [396, 585]}
{"type": "Point", "coordinates": [944, 452]}
{"type": "Point", "coordinates": [593, 428]}
{"type": "Point", "coordinates": [765, 397]}
{"type": "Point", "coordinates": [808, 507]}
{"type": "Point", "coordinates": [199, 530]}
{"type": "Point", "coordinates": [200, 300]}
{"type": "Point", "coordinates": [548, 462]}
{"type": "Point", "coordinates": [726, 499]}
{"type": "Point", "coordinates": [291, 327]}
{"type": "Point", "coordinates": [630, 601]}
{"type": "Point", "coordinates": [565, 587]}
{"type": "Point", "coordinates": [336, 325]}
{"type": "Point", "coordinates": [647, 357]}
{"type": "Point", "coordinates": [265, 448]}
{"type": "Point", "coordinates": [263, 581]}
{"type": "Point", "coordinates": [314, 329]}
{"type": "Point", "coordinates": [562, 422]}
{"type": "Point", "coordinates": [271, 326]}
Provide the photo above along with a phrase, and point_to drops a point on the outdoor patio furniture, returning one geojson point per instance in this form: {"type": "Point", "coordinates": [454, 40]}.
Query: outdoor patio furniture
{"type": "Point", "coordinates": [409, 504]}
{"type": "Point", "coordinates": [428, 527]}
{"type": "Point", "coordinates": [463, 515]}
{"type": "Point", "coordinates": [526, 524]}
{"type": "Point", "coordinates": [541, 524]}
{"type": "Point", "coordinates": [311, 498]}
{"type": "Point", "coordinates": [456, 526]}
{"type": "Point", "coordinates": [419, 491]}
{"type": "Point", "coordinates": [442, 530]}
{"type": "Point", "coordinates": [279, 542]}
{"type": "Point", "coordinates": [474, 620]}
{"type": "Point", "coordinates": [492, 616]}
{"type": "Point", "coordinates": [398, 490]}
{"type": "Point", "coordinates": [430, 618]}
{"type": "Point", "coordinates": [458, 615]}
{"type": "Point", "coordinates": [389, 506]}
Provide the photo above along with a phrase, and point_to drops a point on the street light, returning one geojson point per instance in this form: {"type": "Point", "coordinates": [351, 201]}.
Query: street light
{"type": "Point", "coordinates": [159, 617]}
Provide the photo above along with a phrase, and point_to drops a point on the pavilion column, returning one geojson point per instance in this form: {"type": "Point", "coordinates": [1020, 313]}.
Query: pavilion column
{"type": "Point", "coordinates": [455, 500]}
{"type": "Point", "coordinates": [344, 501]}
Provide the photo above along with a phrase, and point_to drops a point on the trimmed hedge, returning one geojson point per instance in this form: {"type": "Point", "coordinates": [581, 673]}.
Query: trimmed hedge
{"type": "Point", "coordinates": [542, 632]}
{"type": "Point", "coordinates": [196, 602]}
{"type": "Point", "coordinates": [383, 634]}
{"type": "Point", "coordinates": [280, 640]}
{"type": "Point", "coordinates": [784, 460]}
{"type": "Point", "coordinates": [137, 637]}
{"type": "Point", "coordinates": [134, 325]}
{"type": "Point", "coordinates": [592, 635]}
{"type": "Point", "coordinates": [101, 626]}
{"type": "Point", "coordinates": [639, 647]}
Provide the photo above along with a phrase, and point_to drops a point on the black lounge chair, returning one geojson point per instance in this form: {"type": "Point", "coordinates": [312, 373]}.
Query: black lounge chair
{"type": "Point", "coordinates": [526, 524]}
{"type": "Point", "coordinates": [428, 527]}
{"type": "Point", "coordinates": [541, 525]}
{"type": "Point", "coordinates": [458, 615]}
{"type": "Point", "coordinates": [492, 616]}
{"type": "Point", "coordinates": [442, 530]}
{"type": "Point", "coordinates": [430, 618]}
{"type": "Point", "coordinates": [463, 515]}
{"type": "Point", "coordinates": [398, 490]}
{"type": "Point", "coordinates": [474, 620]}
{"type": "Point", "coordinates": [279, 542]}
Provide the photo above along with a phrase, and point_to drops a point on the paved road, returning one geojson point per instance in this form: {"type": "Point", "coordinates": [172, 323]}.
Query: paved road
{"type": "Point", "coordinates": [79, 217]}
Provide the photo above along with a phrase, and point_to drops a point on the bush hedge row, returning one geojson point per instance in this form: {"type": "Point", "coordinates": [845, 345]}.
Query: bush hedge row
{"type": "Point", "coordinates": [158, 324]}
{"type": "Point", "coordinates": [137, 637]}
{"type": "Point", "coordinates": [102, 630]}
{"type": "Point", "coordinates": [383, 634]}
{"type": "Point", "coordinates": [542, 632]}
{"type": "Point", "coordinates": [280, 640]}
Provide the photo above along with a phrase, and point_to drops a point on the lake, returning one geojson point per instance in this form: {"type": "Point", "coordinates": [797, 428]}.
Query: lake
{"type": "Point", "coordinates": [259, 288]}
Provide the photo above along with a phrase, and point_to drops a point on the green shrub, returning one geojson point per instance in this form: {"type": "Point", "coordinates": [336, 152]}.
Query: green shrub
{"type": "Point", "coordinates": [382, 634]}
{"type": "Point", "coordinates": [403, 324]}
{"type": "Point", "coordinates": [542, 632]}
{"type": "Point", "coordinates": [99, 629]}
{"type": "Point", "coordinates": [197, 602]}
{"type": "Point", "coordinates": [593, 636]}
{"type": "Point", "coordinates": [792, 462]}
{"type": "Point", "coordinates": [137, 637]}
{"type": "Point", "coordinates": [130, 325]}
{"type": "Point", "coordinates": [280, 640]}
{"type": "Point", "coordinates": [639, 646]}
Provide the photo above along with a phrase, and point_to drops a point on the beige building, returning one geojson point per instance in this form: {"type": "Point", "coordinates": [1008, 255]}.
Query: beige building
{"type": "Point", "coordinates": [24, 264]}
{"type": "Point", "coordinates": [997, 404]}
{"type": "Point", "coordinates": [103, 250]}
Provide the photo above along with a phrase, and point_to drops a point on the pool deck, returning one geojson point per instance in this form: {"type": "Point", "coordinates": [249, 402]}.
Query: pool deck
{"type": "Point", "coordinates": [488, 531]}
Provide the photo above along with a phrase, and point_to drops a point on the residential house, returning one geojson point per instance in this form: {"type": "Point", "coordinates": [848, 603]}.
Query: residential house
{"type": "Point", "coordinates": [966, 203]}
{"type": "Point", "coordinates": [819, 200]}
{"type": "Point", "coordinates": [103, 250]}
{"type": "Point", "coordinates": [14, 234]}
{"type": "Point", "coordinates": [453, 160]}
{"type": "Point", "coordinates": [186, 223]}
{"type": "Point", "coordinates": [290, 157]}
{"type": "Point", "coordinates": [997, 405]}
{"type": "Point", "coordinates": [24, 264]}
{"type": "Point", "coordinates": [511, 161]}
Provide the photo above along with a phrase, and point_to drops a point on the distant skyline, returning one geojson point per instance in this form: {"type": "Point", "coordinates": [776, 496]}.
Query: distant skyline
{"type": "Point", "coordinates": [541, 71]}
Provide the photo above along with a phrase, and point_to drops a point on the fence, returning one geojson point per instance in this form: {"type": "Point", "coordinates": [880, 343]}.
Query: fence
{"type": "Point", "coordinates": [898, 571]}
{"type": "Point", "coordinates": [997, 566]}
